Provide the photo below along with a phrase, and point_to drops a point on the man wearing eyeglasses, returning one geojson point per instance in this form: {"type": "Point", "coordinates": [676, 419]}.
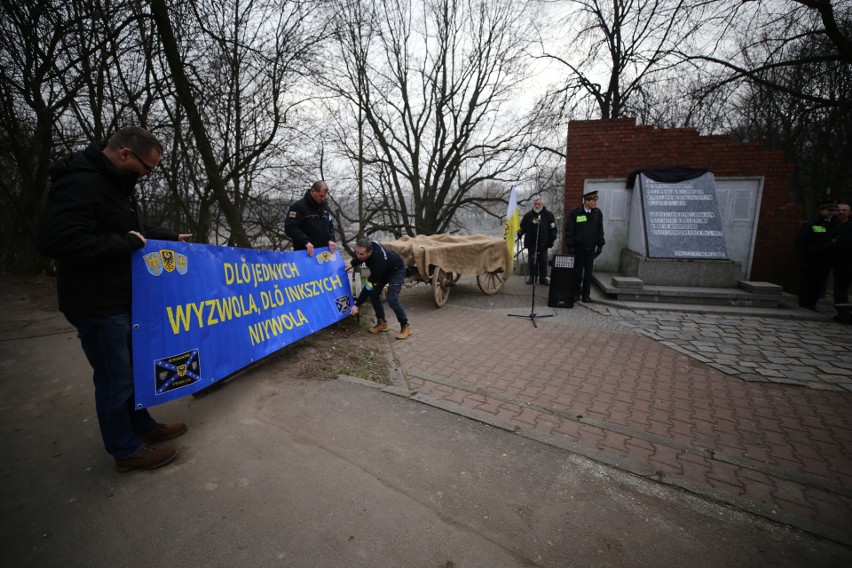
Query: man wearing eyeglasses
{"type": "Point", "coordinates": [584, 238]}
{"type": "Point", "coordinates": [91, 225]}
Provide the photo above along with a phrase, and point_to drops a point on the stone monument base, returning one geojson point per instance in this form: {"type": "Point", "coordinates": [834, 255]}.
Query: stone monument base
{"type": "Point", "coordinates": [687, 281]}
{"type": "Point", "coordinates": [687, 272]}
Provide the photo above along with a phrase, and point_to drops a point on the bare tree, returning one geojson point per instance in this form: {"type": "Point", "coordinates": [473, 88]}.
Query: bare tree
{"type": "Point", "coordinates": [610, 59]}
{"type": "Point", "coordinates": [755, 41]}
{"type": "Point", "coordinates": [220, 92]}
{"type": "Point", "coordinates": [46, 48]}
{"type": "Point", "coordinates": [613, 50]}
{"type": "Point", "coordinates": [433, 82]}
{"type": "Point", "coordinates": [818, 138]}
{"type": "Point", "coordinates": [786, 72]}
{"type": "Point", "coordinates": [246, 58]}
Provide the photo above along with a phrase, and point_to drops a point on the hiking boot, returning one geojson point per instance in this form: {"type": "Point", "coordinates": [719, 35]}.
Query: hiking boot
{"type": "Point", "coordinates": [381, 325]}
{"type": "Point", "coordinates": [148, 457]}
{"type": "Point", "coordinates": [162, 433]}
{"type": "Point", "coordinates": [405, 332]}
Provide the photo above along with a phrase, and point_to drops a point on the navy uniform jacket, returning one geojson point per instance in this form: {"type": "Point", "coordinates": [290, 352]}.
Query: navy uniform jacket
{"type": "Point", "coordinates": [309, 222]}
{"type": "Point", "coordinates": [584, 231]}
{"type": "Point", "coordinates": [814, 241]}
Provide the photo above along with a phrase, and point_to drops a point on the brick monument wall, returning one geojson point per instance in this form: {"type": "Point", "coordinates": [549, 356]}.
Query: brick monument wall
{"type": "Point", "coordinates": [612, 149]}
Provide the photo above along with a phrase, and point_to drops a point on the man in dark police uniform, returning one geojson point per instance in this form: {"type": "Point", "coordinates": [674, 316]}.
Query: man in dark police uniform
{"type": "Point", "coordinates": [91, 225]}
{"type": "Point", "coordinates": [815, 254]}
{"type": "Point", "coordinates": [309, 223]}
{"type": "Point", "coordinates": [584, 238]}
{"type": "Point", "coordinates": [386, 267]}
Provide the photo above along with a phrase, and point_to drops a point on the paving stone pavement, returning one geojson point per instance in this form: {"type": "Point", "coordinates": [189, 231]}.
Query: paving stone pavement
{"type": "Point", "coordinates": [813, 354]}
{"type": "Point", "coordinates": [752, 411]}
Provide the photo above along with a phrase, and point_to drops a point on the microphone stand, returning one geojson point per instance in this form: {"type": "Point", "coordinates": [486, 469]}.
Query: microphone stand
{"type": "Point", "coordinates": [532, 315]}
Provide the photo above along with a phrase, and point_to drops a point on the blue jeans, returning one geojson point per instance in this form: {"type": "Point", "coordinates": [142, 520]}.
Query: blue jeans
{"type": "Point", "coordinates": [107, 344]}
{"type": "Point", "coordinates": [394, 282]}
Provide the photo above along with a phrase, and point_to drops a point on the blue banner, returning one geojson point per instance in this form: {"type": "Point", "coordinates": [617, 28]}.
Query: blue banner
{"type": "Point", "coordinates": [202, 312]}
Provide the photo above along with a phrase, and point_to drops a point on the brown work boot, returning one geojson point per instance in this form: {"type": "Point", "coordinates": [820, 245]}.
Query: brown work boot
{"type": "Point", "coordinates": [163, 432]}
{"type": "Point", "coordinates": [148, 457]}
{"type": "Point", "coordinates": [405, 332]}
{"type": "Point", "coordinates": [381, 325]}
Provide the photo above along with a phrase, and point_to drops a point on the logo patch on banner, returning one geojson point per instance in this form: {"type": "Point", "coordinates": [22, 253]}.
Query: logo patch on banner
{"type": "Point", "coordinates": [177, 371]}
{"type": "Point", "coordinates": [153, 263]}
{"type": "Point", "coordinates": [342, 304]}
{"type": "Point", "coordinates": [181, 263]}
{"type": "Point", "coordinates": [168, 259]}
{"type": "Point", "coordinates": [325, 256]}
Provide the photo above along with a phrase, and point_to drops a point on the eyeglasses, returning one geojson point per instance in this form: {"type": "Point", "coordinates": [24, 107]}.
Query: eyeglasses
{"type": "Point", "coordinates": [141, 161]}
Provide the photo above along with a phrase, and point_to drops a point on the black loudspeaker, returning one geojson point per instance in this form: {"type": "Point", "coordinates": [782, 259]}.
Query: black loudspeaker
{"type": "Point", "coordinates": [562, 282]}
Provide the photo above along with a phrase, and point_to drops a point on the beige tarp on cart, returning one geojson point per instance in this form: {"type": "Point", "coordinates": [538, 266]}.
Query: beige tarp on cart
{"type": "Point", "coordinates": [470, 255]}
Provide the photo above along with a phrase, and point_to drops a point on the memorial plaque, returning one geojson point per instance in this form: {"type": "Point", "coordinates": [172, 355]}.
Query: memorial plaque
{"type": "Point", "coordinates": [682, 218]}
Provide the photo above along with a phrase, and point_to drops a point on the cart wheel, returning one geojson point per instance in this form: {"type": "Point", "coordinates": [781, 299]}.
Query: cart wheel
{"type": "Point", "coordinates": [491, 282]}
{"type": "Point", "coordinates": [441, 283]}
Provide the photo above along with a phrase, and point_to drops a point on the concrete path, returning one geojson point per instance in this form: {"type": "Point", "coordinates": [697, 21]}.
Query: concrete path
{"type": "Point", "coordinates": [280, 472]}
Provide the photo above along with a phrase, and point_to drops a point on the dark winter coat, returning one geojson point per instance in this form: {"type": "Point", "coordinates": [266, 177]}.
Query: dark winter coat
{"type": "Point", "coordinates": [382, 263]}
{"type": "Point", "coordinates": [814, 241]}
{"type": "Point", "coordinates": [309, 222]}
{"type": "Point", "coordinates": [541, 226]}
{"type": "Point", "coordinates": [584, 231]}
{"type": "Point", "coordinates": [843, 248]}
{"type": "Point", "coordinates": [85, 227]}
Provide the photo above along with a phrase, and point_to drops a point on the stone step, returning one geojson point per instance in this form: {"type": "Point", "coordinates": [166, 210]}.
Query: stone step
{"type": "Point", "coordinates": [750, 294]}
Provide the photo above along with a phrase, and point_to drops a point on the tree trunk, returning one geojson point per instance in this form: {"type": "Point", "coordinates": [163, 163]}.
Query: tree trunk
{"type": "Point", "coordinates": [230, 210]}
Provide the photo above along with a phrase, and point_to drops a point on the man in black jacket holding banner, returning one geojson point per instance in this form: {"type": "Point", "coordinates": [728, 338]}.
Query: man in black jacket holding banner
{"type": "Point", "coordinates": [309, 223]}
{"type": "Point", "coordinates": [91, 225]}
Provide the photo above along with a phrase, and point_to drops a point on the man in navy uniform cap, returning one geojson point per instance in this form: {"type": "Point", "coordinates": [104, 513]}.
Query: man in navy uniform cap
{"type": "Point", "coordinates": [584, 238]}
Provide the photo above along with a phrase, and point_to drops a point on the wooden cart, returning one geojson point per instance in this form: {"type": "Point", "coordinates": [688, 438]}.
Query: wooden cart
{"type": "Point", "coordinates": [440, 260]}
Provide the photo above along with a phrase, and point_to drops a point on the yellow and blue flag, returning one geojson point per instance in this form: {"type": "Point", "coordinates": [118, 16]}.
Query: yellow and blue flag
{"type": "Point", "coordinates": [512, 223]}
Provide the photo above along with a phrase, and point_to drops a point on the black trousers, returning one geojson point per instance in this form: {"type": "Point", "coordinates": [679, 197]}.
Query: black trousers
{"type": "Point", "coordinates": [812, 285]}
{"type": "Point", "coordinates": [842, 281]}
{"type": "Point", "coordinates": [538, 263]}
{"type": "Point", "coordinates": [584, 260]}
